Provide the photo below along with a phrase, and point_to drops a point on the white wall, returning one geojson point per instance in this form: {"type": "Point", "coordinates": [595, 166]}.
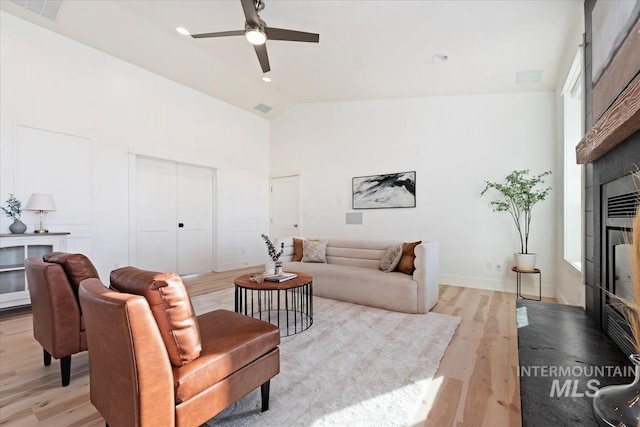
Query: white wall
{"type": "Point", "coordinates": [52, 83]}
{"type": "Point", "coordinates": [570, 283]}
{"type": "Point", "coordinates": [454, 144]}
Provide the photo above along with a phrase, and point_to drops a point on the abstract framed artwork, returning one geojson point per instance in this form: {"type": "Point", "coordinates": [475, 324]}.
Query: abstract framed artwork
{"type": "Point", "coordinates": [393, 190]}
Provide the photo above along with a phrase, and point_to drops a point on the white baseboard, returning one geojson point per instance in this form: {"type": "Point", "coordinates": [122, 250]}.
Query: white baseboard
{"type": "Point", "coordinates": [560, 297]}
{"type": "Point", "coordinates": [528, 286]}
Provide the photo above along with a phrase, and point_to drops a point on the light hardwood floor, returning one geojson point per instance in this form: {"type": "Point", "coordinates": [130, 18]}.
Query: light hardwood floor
{"type": "Point", "coordinates": [476, 383]}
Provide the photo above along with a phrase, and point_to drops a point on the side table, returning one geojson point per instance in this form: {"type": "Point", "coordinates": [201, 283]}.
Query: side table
{"type": "Point", "coordinates": [519, 274]}
{"type": "Point", "coordinates": [288, 304]}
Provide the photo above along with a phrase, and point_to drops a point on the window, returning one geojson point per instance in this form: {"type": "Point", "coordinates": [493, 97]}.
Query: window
{"type": "Point", "coordinates": [572, 94]}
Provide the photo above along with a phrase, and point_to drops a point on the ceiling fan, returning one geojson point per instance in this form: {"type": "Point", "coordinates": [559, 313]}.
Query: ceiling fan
{"type": "Point", "coordinates": [257, 32]}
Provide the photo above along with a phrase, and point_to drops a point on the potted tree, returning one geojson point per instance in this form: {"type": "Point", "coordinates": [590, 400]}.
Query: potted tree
{"type": "Point", "coordinates": [518, 195]}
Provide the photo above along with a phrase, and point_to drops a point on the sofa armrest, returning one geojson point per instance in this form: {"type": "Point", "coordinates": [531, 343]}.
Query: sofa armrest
{"type": "Point", "coordinates": [426, 275]}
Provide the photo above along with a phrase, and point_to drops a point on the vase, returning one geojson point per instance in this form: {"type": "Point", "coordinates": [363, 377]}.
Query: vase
{"type": "Point", "coordinates": [526, 262]}
{"type": "Point", "coordinates": [619, 405]}
{"type": "Point", "coordinates": [270, 267]}
{"type": "Point", "coordinates": [18, 227]}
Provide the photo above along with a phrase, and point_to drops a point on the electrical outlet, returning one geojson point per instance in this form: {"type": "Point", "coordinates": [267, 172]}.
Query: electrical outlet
{"type": "Point", "coordinates": [498, 267]}
{"type": "Point", "coordinates": [489, 265]}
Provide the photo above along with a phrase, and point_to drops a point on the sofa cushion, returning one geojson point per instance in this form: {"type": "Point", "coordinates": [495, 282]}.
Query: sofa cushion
{"type": "Point", "coordinates": [297, 250]}
{"type": "Point", "coordinates": [391, 258]}
{"type": "Point", "coordinates": [314, 251]}
{"type": "Point", "coordinates": [406, 264]}
{"type": "Point", "coordinates": [171, 307]}
{"type": "Point", "coordinates": [367, 286]}
{"type": "Point", "coordinates": [229, 342]}
{"type": "Point", "coordinates": [77, 267]}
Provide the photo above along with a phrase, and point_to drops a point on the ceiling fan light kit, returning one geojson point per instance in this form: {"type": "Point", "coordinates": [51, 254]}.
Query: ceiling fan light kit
{"type": "Point", "coordinates": [257, 33]}
{"type": "Point", "coordinates": [255, 36]}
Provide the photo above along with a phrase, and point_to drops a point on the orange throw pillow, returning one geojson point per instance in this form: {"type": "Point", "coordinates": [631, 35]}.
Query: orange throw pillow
{"type": "Point", "coordinates": [408, 256]}
{"type": "Point", "coordinates": [297, 250]}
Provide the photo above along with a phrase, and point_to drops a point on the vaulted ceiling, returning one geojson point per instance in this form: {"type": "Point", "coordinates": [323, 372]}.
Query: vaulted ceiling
{"type": "Point", "coordinates": [367, 49]}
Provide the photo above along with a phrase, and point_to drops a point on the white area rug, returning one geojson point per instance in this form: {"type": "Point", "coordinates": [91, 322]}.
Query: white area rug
{"type": "Point", "coordinates": [355, 366]}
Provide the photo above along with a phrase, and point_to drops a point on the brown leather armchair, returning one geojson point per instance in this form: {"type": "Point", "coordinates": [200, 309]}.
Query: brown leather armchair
{"type": "Point", "coordinates": [57, 319]}
{"type": "Point", "coordinates": [152, 362]}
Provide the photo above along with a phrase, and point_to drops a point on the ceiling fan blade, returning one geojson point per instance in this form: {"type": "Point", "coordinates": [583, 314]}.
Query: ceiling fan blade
{"type": "Point", "coordinates": [250, 12]}
{"type": "Point", "coordinates": [218, 34]}
{"type": "Point", "coordinates": [261, 51]}
{"type": "Point", "coordinates": [291, 35]}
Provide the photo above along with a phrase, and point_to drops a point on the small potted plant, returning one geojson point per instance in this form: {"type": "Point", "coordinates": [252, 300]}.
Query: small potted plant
{"type": "Point", "coordinates": [274, 255]}
{"type": "Point", "coordinates": [518, 196]}
{"type": "Point", "coordinates": [14, 210]}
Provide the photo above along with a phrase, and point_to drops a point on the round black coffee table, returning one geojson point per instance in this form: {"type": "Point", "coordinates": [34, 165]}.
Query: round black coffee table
{"type": "Point", "coordinates": [288, 304]}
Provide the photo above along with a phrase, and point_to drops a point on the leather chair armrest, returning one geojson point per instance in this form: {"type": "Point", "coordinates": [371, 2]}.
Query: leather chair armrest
{"type": "Point", "coordinates": [131, 376]}
{"type": "Point", "coordinates": [56, 314]}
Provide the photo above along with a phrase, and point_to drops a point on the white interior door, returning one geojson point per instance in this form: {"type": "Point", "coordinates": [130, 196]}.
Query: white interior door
{"type": "Point", "coordinates": [195, 219]}
{"type": "Point", "coordinates": [155, 215]}
{"type": "Point", "coordinates": [285, 215]}
{"type": "Point", "coordinates": [174, 217]}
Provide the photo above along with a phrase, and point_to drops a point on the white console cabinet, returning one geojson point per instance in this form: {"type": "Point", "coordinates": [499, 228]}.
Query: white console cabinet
{"type": "Point", "coordinates": [14, 249]}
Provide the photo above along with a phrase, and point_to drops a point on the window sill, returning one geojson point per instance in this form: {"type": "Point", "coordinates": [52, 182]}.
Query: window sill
{"type": "Point", "coordinates": [575, 264]}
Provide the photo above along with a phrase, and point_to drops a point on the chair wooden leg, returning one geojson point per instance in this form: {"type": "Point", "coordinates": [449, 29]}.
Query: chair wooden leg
{"type": "Point", "coordinates": [47, 357]}
{"type": "Point", "coordinates": [264, 394]}
{"type": "Point", "coordinates": [65, 370]}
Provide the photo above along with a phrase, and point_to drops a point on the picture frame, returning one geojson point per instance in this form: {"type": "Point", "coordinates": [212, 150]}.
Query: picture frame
{"type": "Point", "coordinates": [384, 191]}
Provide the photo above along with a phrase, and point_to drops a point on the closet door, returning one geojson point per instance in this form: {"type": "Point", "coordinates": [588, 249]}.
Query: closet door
{"type": "Point", "coordinates": [174, 217]}
{"type": "Point", "coordinates": [195, 219]}
{"type": "Point", "coordinates": [285, 216]}
{"type": "Point", "coordinates": [156, 238]}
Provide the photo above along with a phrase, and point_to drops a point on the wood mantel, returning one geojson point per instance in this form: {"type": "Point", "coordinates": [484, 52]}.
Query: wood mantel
{"type": "Point", "coordinates": [618, 123]}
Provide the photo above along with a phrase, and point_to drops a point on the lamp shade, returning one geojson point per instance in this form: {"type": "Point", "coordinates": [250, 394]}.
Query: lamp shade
{"type": "Point", "coordinates": [41, 202]}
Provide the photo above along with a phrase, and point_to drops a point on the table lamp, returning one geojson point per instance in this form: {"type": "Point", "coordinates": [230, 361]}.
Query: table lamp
{"type": "Point", "coordinates": [41, 203]}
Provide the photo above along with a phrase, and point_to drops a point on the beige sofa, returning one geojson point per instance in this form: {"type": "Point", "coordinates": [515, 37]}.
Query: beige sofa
{"type": "Point", "coordinates": [351, 274]}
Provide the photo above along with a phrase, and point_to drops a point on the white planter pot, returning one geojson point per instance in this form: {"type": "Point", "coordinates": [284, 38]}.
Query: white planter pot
{"type": "Point", "coordinates": [526, 262]}
{"type": "Point", "coordinates": [270, 267]}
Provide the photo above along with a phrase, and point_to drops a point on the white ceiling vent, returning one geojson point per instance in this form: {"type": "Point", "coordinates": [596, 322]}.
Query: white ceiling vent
{"type": "Point", "coordinates": [263, 108]}
{"type": "Point", "coordinates": [528, 77]}
{"type": "Point", "coordinates": [47, 8]}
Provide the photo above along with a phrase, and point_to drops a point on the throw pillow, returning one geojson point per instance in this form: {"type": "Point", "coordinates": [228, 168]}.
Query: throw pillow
{"type": "Point", "coordinates": [297, 249]}
{"type": "Point", "coordinates": [314, 251]}
{"type": "Point", "coordinates": [390, 259]}
{"type": "Point", "coordinates": [408, 257]}
{"type": "Point", "coordinates": [171, 307]}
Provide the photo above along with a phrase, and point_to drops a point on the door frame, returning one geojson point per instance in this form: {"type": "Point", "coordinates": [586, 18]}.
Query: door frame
{"type": "Point", "coordinates": [132, 226]}
{"type": "Point", "coordinates": [298, 176]}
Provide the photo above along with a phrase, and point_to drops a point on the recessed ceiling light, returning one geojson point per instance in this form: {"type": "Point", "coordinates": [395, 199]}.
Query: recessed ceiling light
{"type": "Point", "coordinates": [266, 79]}
{"type": "Point", "coordinates": [438, 57]}
{"type": "Point", "coordinates": [182, 31]}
